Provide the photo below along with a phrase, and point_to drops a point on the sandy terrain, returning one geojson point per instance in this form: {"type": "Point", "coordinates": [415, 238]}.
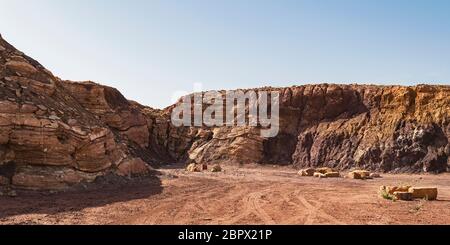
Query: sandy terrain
{"type": "Point", "coordinates": [251, 195]}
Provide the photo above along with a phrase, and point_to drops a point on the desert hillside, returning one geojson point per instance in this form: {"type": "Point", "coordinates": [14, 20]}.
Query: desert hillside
{"type": "Point", "coordinates": [56, 133]}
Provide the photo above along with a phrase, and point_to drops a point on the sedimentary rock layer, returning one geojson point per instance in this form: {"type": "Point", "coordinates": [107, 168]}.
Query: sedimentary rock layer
{"type": "Point", "coordinates": [385, 128]}
{"type": "Point", "coordinates": [52, 135]}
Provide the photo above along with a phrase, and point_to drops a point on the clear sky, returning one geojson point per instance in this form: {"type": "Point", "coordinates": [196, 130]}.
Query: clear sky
{"type": "Point", "coordinates": [150, 49]}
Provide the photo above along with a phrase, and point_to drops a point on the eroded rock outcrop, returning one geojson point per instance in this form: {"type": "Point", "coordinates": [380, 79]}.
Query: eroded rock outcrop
{"type": "Point", "coordinates": [382, 128]}
{"type": "Point", "coordinates": [53, 137]}
{"type": "Point", "coordinates": [395, 129]}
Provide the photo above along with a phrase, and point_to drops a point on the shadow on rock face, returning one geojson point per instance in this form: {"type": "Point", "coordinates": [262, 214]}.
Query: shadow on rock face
{"type": "Point", "coordinates": [7, 170]}
{"type": "Point", "coordinates": [104, 191]}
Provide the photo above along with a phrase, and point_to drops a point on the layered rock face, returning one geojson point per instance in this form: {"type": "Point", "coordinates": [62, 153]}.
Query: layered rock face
{"type": "Point", "coordinates": [380, 128]}
{"type": "Point", "coordinates": [56, 133]}
{"type": "Point", "coordinates": [383, 128]}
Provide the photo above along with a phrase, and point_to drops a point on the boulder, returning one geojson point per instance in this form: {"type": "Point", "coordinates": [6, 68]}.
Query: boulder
{"type": "Point", "coordinates": [332, 175]}
{"type": "Point", "coordinates": [363, 173]}
{"type": "Point", "coordinates": [354, 175]}
{"type": "Point", "coordinates": [404, 196]}
{"type": "Point", "coordinates": [324, 170]}
{"type": "Point", "coordinates": [359, 174]}
{"type": "Point", "coordinates": [424, 193]}
{"type": "Point", "coordinates": [307, 172]}
{"type": "Point", "coordinates": [133, 167]}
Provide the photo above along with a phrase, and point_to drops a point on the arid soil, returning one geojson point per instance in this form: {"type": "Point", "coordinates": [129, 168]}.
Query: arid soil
{"type": "Point", "coordinates": [249, 195]}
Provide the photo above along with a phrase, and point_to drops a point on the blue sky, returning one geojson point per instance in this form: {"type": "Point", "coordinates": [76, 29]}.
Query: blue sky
{"type": "Point", "coordinates": [151, 49]}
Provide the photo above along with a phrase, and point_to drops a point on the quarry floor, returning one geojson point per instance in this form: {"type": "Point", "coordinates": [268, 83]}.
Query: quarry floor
{"type": "Point", "coordinates": [250, 195]}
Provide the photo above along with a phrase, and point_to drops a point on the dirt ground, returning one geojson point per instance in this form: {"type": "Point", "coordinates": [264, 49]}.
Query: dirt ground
{"type": "Point", "coordinates": [250, 195]}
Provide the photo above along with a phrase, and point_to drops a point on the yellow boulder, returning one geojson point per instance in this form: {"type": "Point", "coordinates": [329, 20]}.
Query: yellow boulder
{"type": "Point", "coordinates": [306, 172]}
{"type": "Point", "coordinates": [423, 192]}
{"type": "Point", "coordinates": [363, 173]}
{"type": "Point", "coordinates": [324, 170]}
{"type": "Point", "coordinates": [332, 175]}
{"type": "Point", "coordinates": [359, 174]}
{"type": "Point", "coordinates": [354, 175]}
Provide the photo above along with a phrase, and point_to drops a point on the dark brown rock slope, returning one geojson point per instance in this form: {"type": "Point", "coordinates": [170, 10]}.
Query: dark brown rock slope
{"type": "Point", "coordinates": [56, 133]}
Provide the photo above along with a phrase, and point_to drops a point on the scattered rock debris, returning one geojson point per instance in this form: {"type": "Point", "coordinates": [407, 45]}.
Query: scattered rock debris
{"type": "Point", "coordinates": [408, 193]}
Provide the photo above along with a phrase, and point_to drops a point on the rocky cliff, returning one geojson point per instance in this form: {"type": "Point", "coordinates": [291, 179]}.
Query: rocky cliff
{"type": "Point", "coordinates": [56, 133]}
{"type": "Point", "coordinates": [383, 128]}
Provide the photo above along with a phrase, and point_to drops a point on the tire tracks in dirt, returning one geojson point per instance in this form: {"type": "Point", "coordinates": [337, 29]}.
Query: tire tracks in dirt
{"type": "Point", "coordinates": [252, 205]}
{"type": "Point", "coordinates": [316, 211]}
